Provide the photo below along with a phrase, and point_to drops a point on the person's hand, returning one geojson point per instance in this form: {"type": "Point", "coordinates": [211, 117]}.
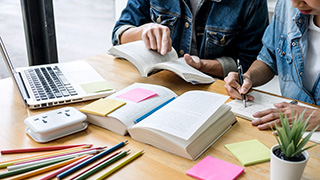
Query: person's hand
{"type": "Point", "coordinates": [268, 118]}
{"type": "Point", "coordinates": [233, 87]}
{"type": "Point", "coordinates": [193, 61]}
{"type": "Point", "coordinates": [157, 37]}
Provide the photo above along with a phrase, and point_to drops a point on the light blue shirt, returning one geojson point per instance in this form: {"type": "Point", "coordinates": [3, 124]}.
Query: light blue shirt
{"type": "Point", "coordinates": [285, 44]}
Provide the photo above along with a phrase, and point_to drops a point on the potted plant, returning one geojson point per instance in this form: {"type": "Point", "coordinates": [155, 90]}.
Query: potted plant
{"type": "Point", "coordinates": [289, 157]}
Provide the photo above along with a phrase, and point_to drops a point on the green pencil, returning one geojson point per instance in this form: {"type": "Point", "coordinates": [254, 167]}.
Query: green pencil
{"type": "Point", "coordinates": [123, 163]}
{"type": "Point", "coordinates": [30, 168]}
{"type": "Point", "coordinates": [101, 166]}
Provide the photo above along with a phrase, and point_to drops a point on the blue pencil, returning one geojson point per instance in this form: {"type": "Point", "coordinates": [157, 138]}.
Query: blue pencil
{"type": "Point", "coordinates": [153, 110]}
{"type": "Point", "coordinates": [90, 160]}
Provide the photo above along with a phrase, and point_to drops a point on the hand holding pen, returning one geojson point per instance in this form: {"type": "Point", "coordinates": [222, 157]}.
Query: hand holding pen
{"type": "Point", "coordinates": [240, 75]}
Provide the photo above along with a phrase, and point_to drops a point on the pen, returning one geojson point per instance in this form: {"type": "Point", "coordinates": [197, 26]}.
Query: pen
{"type": "Point", "coordinates": [240, 74]}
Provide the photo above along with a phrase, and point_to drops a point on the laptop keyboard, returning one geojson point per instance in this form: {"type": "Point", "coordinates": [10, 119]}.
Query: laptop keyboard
{"type": "Point", "coordinates": [49, 83]}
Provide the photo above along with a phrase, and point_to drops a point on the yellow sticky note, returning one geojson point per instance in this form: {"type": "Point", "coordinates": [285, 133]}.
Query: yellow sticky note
{"type": "Point", "coordinates": [98, 86]}
{"type": "Point", "coordinates": [102, 107]}
{"type": "Point", "coordinates": [249, 152]}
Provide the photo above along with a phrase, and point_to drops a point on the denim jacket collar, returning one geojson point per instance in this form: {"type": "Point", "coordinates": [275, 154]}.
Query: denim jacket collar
{"type": "Point", "coordinates": [299, 26]}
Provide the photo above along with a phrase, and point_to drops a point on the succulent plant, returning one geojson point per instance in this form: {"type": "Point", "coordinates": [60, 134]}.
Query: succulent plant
{"type": "Point", "coordinates": [289, 137]}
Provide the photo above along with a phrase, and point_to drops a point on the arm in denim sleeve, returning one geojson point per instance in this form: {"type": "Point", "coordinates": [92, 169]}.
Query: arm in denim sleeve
{"type": "Point", "coordinates": [248, 43]}
{"type": "Point", "coordinates": [268, 50]}
{"type": "Point", "coordinates": [135, 14]}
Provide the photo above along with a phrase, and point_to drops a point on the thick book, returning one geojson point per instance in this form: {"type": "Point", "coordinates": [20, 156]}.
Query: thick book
{"type": "Point", "coordinates": [186, 125]}
{"type": "Point", "coordinates": [148, 62]}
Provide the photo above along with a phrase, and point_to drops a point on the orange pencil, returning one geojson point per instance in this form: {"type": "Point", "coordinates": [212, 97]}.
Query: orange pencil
{"type": "Point", "coordinates": [11, 162]}
{"type": "Point", "coordinates": [46, 169]}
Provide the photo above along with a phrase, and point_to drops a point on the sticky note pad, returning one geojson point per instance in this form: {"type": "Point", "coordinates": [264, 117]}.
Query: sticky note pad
{"type": "Point", "coordinates": [137, 95]}
{"type": "Point", "coordinates": [249, 152]}
{"type": "Point", "coordinates": [211, 168]}
{"type": "Point", "coordinates": [102, 107]}
{"type": "Point", "coordinates": [98, 86]}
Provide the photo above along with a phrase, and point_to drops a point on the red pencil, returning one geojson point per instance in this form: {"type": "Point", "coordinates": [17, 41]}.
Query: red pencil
{"type": "Point", "coordinates": [38, 149]}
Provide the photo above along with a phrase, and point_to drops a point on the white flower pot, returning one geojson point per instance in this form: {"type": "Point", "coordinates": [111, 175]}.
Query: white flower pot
{"type": "Point", "coordinates": [286, 170]}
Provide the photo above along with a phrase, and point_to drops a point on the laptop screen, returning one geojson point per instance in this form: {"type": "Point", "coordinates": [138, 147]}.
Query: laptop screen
{"type": "Point", "coordinates": [6, 58]}
{"type": "Point", "coordinates": [15, 75]}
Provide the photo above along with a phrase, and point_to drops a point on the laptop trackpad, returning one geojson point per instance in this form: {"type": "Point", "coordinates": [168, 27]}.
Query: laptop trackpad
{"type": "Point", "coordinates": [80, 72]}
{"type": "Point", "coordinates": [83, 77]}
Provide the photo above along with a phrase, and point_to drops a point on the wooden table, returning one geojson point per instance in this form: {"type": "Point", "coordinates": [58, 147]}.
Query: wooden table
{"type": "Point", "coordinates": [155, 163]}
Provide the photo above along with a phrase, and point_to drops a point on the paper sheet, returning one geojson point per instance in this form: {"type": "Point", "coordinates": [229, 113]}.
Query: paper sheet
{"type": "Point", "coordinates": [263, 101]}
{"type": "Point", "coordinates": [99, 86]}
{"type": "Point", "coordinates": [211, 168]}
{"type": "Point", "coordinates": [249, 152]}
{"type": "Point", "coordinates": [102, 107]}
{"type": "Point", "coordinates": [137, 95]}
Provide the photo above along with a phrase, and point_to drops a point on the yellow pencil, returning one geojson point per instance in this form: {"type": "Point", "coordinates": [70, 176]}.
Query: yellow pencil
{"type": "Point", "coordinates": [123, 163]}
{"type": "Point", "coordinates": [18, 160]}
{"type": "Point", "coordinates": [48, 168]}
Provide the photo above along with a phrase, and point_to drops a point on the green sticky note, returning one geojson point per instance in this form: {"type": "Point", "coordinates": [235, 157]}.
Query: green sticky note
{"type": "Point", "coordinates": [98, 86]}
{"type": "Point", "coordinates": [249, 152]}
{"type": "Point", "coordinates": [102, 107]}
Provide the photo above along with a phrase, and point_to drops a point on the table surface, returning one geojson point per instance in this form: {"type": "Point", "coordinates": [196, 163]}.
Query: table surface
{"type": "Point", "coordinates": [155, 163]}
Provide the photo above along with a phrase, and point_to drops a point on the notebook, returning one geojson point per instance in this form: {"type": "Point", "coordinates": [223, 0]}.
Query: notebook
{"type": "Point", "coordinates": [56, 84]}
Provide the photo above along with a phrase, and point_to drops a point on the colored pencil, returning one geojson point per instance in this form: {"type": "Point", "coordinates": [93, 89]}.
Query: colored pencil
{"type": "Point", "coordinates": [123, 163]}
{"type": "Point", "coordinates": [93, 165]}
{"type": "Point", "coordinates": [19, 166]}
{"type": "Point", "coordinates": [30, 168]}
{"type": "Point", "coordinates": [55, 173]}
{"type": "Point", "coordinates": [46, 169]}
{"type": "Point", "coordinates": [92, 159]}
{"type": "Point", "coordinates": [40, 155]}
{"type": "Point", "coordinates": [39, 149]}
{"type": "Point", "coordinates": [102, 165]}
{"type": "Point", "coordinates": [75, 152]}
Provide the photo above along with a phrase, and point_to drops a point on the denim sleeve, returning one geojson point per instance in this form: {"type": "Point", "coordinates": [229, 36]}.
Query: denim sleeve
{"type": "Point", "coordinates": [268, 50]}
{"type": "Point", "coordinates": [136, 13]}
{"type": "Point", "coordinates": [249, 42]}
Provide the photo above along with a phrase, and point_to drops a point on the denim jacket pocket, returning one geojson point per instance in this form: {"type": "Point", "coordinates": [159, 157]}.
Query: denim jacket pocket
{"type": "Point", "coordinates": [216, 41]}
{"type": "Point", "coordinates": [163, 18]}
{"type": "Point", "coordinates": [285, 59]}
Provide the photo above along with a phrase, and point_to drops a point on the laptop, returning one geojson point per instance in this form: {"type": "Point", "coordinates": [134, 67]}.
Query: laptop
{"type": "Point", "coordinates": [56, 84]}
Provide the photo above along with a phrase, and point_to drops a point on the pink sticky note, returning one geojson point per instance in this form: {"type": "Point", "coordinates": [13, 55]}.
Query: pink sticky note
{"type": "Point", "coordinates": [137, 94]}
{"type": "Point", "coordinates": [212, 168]}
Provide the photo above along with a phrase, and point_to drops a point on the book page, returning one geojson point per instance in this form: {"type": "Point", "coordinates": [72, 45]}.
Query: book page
{"type": "Point", "coordinates": [185, 115]}
{"type": "Point", "coordinates": [131, 111]}
{"type": "Point", "coordinates": [262, 102]}
{"type": "Point", "coordinates": [142, 58]}
{"type": "Point", "coordinates": [185, 71]}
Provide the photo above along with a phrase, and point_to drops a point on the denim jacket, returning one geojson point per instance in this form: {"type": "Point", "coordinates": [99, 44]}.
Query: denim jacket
{"type": "Point", "coordinates": [284, 50]}
{"type": "Point", "coordinates": [230, 28]}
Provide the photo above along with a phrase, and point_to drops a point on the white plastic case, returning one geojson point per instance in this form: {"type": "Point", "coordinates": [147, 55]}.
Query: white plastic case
{"type": "Point", "coordinates": [55, 124]}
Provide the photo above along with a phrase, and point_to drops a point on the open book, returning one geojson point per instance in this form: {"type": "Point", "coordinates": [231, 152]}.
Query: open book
{"type": "Point", "coordinates": [149, 61]}
{"type": "Point", "coordinates": [186, 125]}
{"type": "Point", "coordinates": [263, 101]}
